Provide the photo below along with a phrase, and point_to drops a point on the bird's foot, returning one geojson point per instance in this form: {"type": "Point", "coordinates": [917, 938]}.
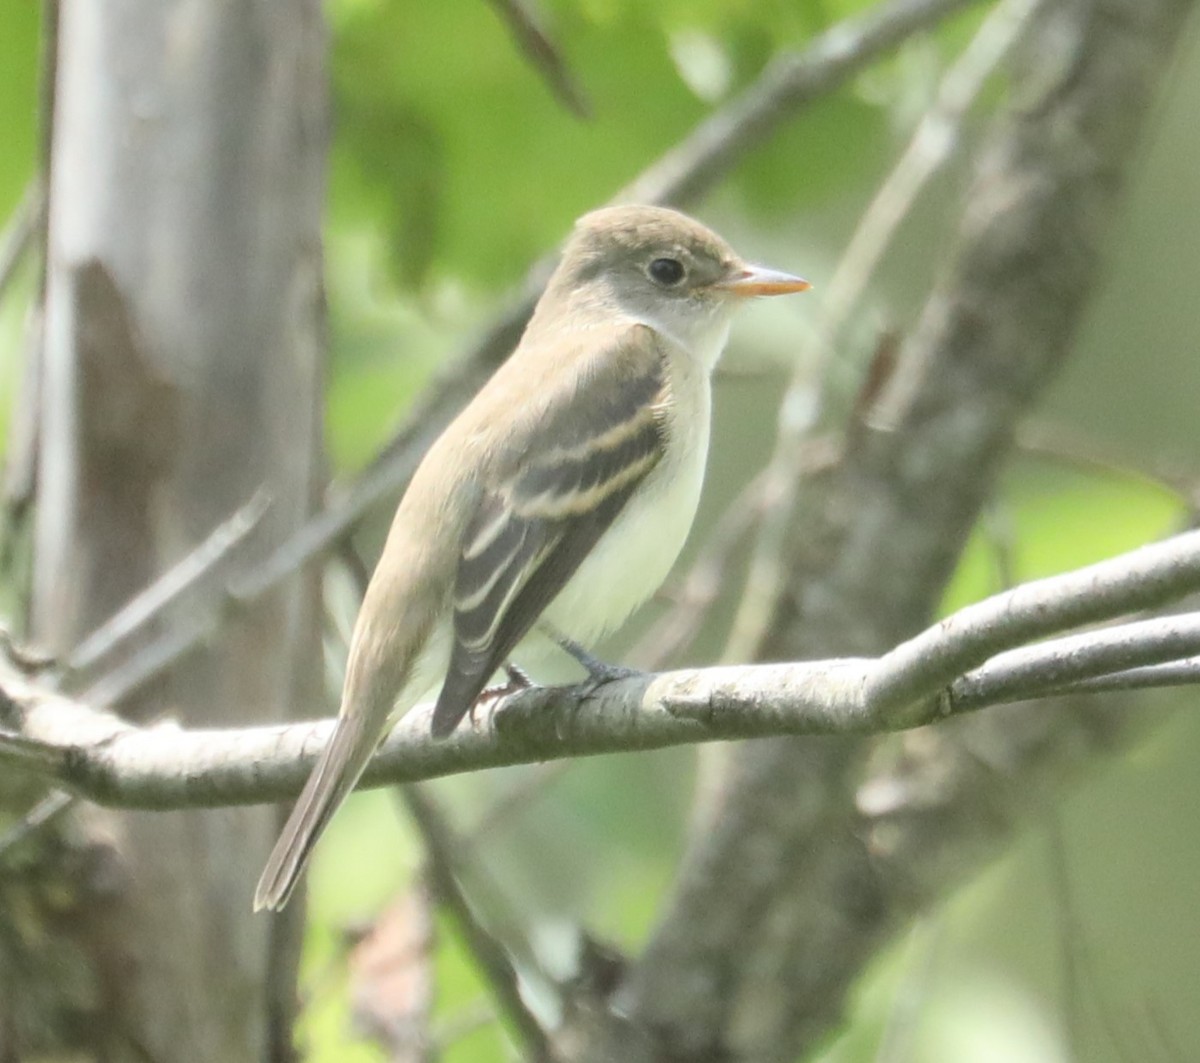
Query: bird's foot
{"type": "Point", "coordinates": [600, 673]}
{"type": "Point", "coordinates": [518, 680]}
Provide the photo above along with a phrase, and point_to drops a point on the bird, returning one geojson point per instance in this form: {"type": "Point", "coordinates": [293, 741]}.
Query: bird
{"type": "Point", "coordinates": [562, 493]}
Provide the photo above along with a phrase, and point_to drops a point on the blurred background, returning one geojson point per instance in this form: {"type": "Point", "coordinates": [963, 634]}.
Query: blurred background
{"type": "Point", "coordinates": [455, 165]}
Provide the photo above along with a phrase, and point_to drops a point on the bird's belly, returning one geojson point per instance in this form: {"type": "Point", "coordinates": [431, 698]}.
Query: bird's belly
{"type": "Point", "coordinates": [634, 556]}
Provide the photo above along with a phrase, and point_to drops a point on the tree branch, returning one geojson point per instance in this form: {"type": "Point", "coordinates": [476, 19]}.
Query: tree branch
{"type": "Point", "coordinates": [1059, 666]}
{"type": "Point", "coordinates": [1157, 676]}
{"type": "Point", "coordinates": [496, 969]}
{"type": "Point", "coordinates": [133, 617]}
{"type": "Point", "coordinates": [1088, 596]}
{"type": "Point", "coordinates": [791, 81]}
{"type": "Point", "coordinates": [544, 55]}
{"type": "Point", "coordinates": [16, 238]}
{"type": "Point", "coordinates": [114, 762]}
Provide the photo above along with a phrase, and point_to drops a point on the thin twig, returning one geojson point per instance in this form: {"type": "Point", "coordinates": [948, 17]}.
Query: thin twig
{"type": "Point", "coordinates": [17, 236]}
{"type": "Point", "coordinates": [1145, 579]}
{"type": "Point", "coordinates": [1062, 663]}
{"type": "Point", "coordinates": [168, 647]}
{"type": "Point", "coordinates": [28, 754]}
{"type": "Point", "coordinates": [45, 811]}
{"type": "Point", "coordinates": [897, 1041]}
{"type": "Point", "coordinates": [1150, 677]}
{"type": "Point", "coordinates": [543, 54]}
{"type": "Point", "coordinates": [168, 588]}
{"type": "Point", "coordinates": [315, 537]}
{"type": "Point", "coordinates": [158, 656]}
{"type": "Point", "coordinates": [1057, 444]}
{"type": "Point", "coordinates": [792, 81]}
{"type": "Point", "coordinates": [493, 962]}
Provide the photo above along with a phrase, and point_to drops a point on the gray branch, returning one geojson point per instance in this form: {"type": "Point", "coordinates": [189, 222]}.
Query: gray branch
{"type": "Point", "coordinates": [100, 756]}
{"type": "Point", "coordinates": [1044, 607]}
{"type": "Point", "coordinates": [1062, 665]}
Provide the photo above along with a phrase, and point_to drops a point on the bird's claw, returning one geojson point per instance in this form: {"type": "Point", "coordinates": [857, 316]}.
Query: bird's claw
{"type": "Point", "coordinates": [600, 673]}
{"type": "Point", "coordinates": [518, 680]}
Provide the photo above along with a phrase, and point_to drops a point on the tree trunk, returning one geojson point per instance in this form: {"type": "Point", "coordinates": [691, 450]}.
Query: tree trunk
{"type": "Point", "coordinates": [181, 373]}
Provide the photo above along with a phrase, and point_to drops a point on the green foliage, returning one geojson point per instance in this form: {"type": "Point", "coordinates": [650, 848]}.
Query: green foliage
{"type": "Point", "coordinates": [18, 99]}
{"type": "Point", "coordinates": [1049, 518]}
{"type": "Point", "coordinates": [18, 108]}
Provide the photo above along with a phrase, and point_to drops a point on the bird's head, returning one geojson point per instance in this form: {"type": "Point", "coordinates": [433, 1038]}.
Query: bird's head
{"type": "Point", "coordinates": [660, 267]}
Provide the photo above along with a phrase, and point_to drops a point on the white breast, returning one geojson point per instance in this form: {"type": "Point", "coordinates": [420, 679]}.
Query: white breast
{"type": "Point", "coordinates": [634, 556]}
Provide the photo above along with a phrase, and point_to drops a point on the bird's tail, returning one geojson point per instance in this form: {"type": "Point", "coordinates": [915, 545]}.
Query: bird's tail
{"type": "Point", "coordinates": [341, 764]}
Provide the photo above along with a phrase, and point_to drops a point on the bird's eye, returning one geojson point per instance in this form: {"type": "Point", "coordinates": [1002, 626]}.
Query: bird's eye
{"type": "Point", "coordinates": [666, 271]}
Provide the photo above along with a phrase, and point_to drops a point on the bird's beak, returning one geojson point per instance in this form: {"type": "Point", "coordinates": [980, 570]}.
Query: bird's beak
{"type": "Point", "coordinates": [758, 280]}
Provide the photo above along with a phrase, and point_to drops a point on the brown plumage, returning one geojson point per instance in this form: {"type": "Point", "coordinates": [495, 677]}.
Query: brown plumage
{"type": "Point", "coordinates": [565, 489]}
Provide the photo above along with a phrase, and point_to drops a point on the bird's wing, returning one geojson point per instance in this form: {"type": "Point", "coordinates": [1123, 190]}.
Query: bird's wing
{"type": "Point", "coordinates": [562, 487]}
